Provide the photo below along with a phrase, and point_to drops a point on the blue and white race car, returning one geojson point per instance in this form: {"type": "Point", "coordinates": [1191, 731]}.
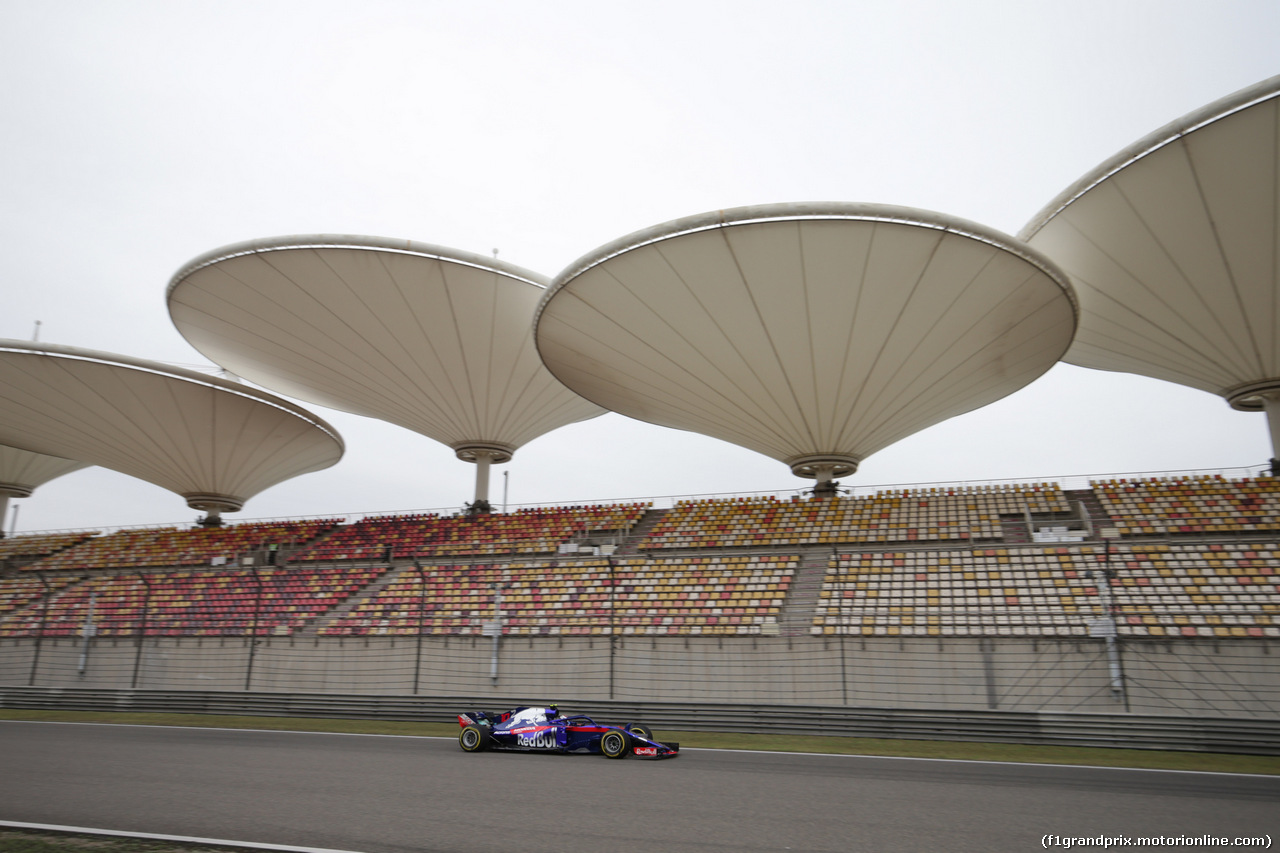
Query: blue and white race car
{"type": "Point", "coordinates": [544, 729]}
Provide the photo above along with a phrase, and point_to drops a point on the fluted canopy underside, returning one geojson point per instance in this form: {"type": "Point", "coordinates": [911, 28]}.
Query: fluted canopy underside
{"type": "Point", "coordinates": [21, 471]}
{"type": "Point", "coordinates": [210, 440]}
{"type": "Point", "coordinates": [434, 340]}
{"type": "Point", "coordinates": [809, 333]}
{"type": "Point", "coordinates": [1173, 247]}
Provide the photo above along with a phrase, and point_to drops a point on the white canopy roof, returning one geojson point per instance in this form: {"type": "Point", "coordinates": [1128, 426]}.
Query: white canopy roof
{"type": "Point", "coordinates": [432, 339]}
{"type": "Point", "coordinates": [816, 334]}
{"type": "Point", "coordinates": [1173, 247]}
{"type": "Point", "coordinates": [21, 471]}
{"type": "Point", "coordinates": [211, 440]}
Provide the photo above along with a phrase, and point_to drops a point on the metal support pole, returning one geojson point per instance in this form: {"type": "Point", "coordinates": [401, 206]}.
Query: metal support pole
{"type": "Point", "coordinates": [1118, 651]}
{"type": "Point", "coordinates": [142, 629]}
{"type": "Point", "coordinates": [1115, 663]}
{"type": "Point", "coordinates": [613, 638]}
{"type": "Point", "coordinates": [44, 618]}
{"type": "Point", "coordinates": [422, 611]}
{"type": "Point", "coordinates": [844, 620]}
{"type": "Point", "coordinates": [844, 675]}
{"type": "Point", "coordinates": [497, 632]}
{"type": "Point", "coordinates": [253, 630]}
{"type": "Point", "coordinates": [989, 672]}
{"type": "Point", "coordinates": [87, 632]}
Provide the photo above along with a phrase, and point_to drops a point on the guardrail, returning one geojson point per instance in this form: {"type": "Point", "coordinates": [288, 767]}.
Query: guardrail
{"type": "Point", "coordinates": [1196, 734]}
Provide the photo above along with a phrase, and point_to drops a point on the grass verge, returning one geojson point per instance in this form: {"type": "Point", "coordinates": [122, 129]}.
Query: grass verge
{"type": "Point", "coordinates": [39, 841]}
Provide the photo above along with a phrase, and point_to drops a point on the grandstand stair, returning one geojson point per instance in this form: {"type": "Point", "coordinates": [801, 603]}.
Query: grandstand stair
{"type": "Point", "coordinates": [630, 545]}
{"type": "Point", "coordinates": [1014, 531]}
{"type": "Point", "coordinates": [806, 589]}
{"type": "Point", "coordinates": [312, 628]}
{"type": "Point", "coordinates": [1099, 520]}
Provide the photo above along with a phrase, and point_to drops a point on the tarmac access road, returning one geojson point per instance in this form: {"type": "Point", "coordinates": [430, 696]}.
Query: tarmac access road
{"type": "Point", "coordinates": [382, 794]}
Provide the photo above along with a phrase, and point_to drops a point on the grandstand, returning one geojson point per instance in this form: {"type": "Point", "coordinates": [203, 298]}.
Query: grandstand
{"type": "Point", "coordinates": [727, 597]}
{"type": "Point", "coordinates": [813, 333]}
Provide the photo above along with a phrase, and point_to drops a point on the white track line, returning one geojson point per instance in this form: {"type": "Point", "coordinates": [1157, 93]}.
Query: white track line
{"type": "Point", "coordinates": [150, 836]}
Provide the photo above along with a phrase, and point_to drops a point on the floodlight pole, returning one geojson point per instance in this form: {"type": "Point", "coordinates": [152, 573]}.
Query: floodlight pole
{"type": "Point", "coordinates": [4, 513]}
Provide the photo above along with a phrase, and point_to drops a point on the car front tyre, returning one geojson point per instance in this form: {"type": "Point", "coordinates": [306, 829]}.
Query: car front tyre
{"type": "Point", "coordinates": [615, 744]}
{"type": "Point", "coordinates": [641, 731]}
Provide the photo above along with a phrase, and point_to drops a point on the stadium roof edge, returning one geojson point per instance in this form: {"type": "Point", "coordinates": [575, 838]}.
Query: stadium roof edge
{"type": "Point", "coordinates": [1157, 139]}
{"type": "Point", "coordinates": [352, 241]}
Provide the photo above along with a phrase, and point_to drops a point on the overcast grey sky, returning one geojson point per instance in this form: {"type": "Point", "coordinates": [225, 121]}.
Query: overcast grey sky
{"type": "Point", "coordinates": [137, 135]}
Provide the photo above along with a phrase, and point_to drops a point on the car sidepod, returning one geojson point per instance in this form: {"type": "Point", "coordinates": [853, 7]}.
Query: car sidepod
{"type": "Point", "coordinates": [536, 737]}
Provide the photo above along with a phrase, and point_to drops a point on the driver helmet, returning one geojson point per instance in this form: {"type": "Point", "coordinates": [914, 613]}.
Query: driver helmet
{"type": "Point", "coordinates": [553, 711]}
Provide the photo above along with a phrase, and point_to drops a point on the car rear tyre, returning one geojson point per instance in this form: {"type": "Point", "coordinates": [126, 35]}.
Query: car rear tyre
{"type": "Point", "coordinates": [473, 739]}
{"type": "Point", "coordinates": [615, 744]}
{"type": "Point", "coordinates": [641, 731]}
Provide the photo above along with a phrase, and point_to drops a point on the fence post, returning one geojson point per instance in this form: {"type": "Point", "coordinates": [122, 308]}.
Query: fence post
{"type": "Point", "coordinates": [613, 581]}
{"type": "Point", "coordinates": [1107, 627]}
{"type": "Point", "coordinates": [44, 617]}
{"type": "Point", "coordinates": [422, 612]}
{"type": "Point", "coordinates": [989, 671]}
{"type": "Point", "coordinates": [88, 631]}
{"type": "Point", "coordinates": [253, 630]}
{"type": "Point", "coordinates": [844, 675]}
{"type": "Point", "coordinates": [142, 628]}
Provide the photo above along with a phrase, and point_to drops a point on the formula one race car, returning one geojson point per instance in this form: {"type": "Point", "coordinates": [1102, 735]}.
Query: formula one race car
{"type": "Point", "coordinates": [544, 729]}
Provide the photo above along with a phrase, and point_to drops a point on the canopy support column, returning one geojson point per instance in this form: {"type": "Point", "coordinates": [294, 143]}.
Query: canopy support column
{"type": "Point", "coordinates": [824, 467]}
{"type": "Point", "coordinates": [1271, 405]}
{"type": "Point", "coordinates": [7, 491]}
{"type": "Point", "coordinates": [824, 476]}
{"type": "Point", "coordinates": [213, 507]}
{"type": "Point", "coordinates": [484, 455]}
{"type": "Point", "coordinates": [1261, 397]}
{"type": "Point", "coordinates": [483, 461]}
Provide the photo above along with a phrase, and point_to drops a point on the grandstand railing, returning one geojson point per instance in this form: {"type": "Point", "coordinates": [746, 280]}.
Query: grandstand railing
{"type": "Point", "coordinates": [1068, 481]}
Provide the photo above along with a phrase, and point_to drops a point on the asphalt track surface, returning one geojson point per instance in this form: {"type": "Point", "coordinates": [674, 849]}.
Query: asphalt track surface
{"type": "Point", "coordinates": [382, 794]}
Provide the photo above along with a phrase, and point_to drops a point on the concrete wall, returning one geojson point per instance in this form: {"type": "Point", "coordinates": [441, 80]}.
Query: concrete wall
{"type": "Point", "coordinates": [1183, 676]}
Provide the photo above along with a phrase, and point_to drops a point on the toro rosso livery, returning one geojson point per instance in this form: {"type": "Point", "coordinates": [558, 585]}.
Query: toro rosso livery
{"type": "Point", "coordinates": [543, 729]}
